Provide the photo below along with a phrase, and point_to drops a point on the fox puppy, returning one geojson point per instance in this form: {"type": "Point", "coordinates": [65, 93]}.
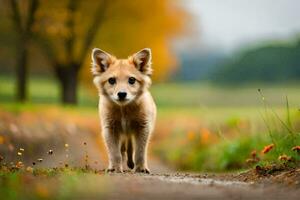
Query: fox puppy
{"type": "Point", "coordinates": [126, 108]}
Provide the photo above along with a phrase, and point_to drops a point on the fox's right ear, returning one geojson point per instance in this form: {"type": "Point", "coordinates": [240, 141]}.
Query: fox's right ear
{"type": "Point", "coordinates": [101, 61]}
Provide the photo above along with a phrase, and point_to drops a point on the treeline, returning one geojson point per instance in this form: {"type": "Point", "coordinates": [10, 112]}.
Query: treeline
{"type": "Point", "coordinates": [271, 63]}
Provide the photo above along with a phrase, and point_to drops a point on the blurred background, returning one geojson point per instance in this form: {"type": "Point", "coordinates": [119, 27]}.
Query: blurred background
{"type": "Point", "coordinates": [226, 77]}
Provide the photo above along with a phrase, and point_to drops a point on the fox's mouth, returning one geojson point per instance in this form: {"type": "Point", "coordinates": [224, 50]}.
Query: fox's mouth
{"type": "Point", "coordinates": [121, 101]}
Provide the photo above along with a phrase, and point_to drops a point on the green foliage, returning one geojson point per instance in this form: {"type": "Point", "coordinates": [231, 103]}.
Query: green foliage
{"type": "Point", "coordinates": [271, 63]}
{"type": "Point", "coordinates": [236, 152]}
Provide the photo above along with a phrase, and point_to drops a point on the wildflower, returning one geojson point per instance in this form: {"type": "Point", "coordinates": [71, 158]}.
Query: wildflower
{"type": "Point", "coordinates": [205, 135]}
{"type": "Point", "coordinates": [284, 158]}
{"type": "Point", "coordinates": [254, 158]}
{"type": "Point", "coordinates": [267, 148]}
{"type": "Point", "coordinates": [296, 148]}
{"type": "Point", "coordinates": [19, 164]}
{"type": "Point", "coordinates": [40, 159]}
{"type": "Point", "coordinates": [19, 153]}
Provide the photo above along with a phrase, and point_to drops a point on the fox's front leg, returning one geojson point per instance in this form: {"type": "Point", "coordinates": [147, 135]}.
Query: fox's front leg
{"type": "Point", "coordinates": [112, 141]}
{"type": "Point", "coordinates": [140, 156]}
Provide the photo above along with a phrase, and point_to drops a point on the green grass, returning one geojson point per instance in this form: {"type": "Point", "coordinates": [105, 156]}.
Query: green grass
{"type": "Point", "coordinates": [52, 184]}
{"type": "Point", "coordinates": [43, 90]}
{"type": "Point", "coordinates": [205, 95]}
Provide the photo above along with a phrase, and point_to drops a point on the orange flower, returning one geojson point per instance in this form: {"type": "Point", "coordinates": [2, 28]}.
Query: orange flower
{"type": "Point", "coordinates": [19, 164]}
{"type": "Point", "coordinates": [191, 135]}
{"type": "Point", "coordinates": [205, 135]}
{"type": "Point", "coordinates": [267, 148]}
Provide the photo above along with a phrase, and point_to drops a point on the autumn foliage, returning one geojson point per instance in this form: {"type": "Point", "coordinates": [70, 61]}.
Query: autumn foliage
{"type": "Point", "coordinates": [124, 28]}
{"type": "Point", "coordinates": [64, 32]}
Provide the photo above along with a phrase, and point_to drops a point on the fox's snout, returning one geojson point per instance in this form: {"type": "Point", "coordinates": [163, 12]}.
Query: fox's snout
{"type": "Point", "coordinates": [122, 96]}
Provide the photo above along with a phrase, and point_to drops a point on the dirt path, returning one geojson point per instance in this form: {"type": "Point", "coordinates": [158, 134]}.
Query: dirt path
{"type": "Point", "coordinates": [184, 186]}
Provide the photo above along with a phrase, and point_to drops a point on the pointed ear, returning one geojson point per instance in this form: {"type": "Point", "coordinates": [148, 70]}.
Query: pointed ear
{"type": "Point", "coordinates": [142, 61]}
{"type": "Point", "coordinates": [101, 61]}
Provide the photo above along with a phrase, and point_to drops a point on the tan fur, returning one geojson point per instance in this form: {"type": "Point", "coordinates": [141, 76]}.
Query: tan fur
{"type": "Point", "coordinates": [126, 125]}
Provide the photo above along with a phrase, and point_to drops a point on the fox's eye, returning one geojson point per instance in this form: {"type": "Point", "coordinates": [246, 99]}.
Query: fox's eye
{"type": "Point", "coordinates": [131, 80]}
{"type": "Point", "coordinates": [112, 80]}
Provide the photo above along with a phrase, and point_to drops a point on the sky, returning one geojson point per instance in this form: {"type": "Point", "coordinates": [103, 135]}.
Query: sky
{"type": "Point", "coordinates": [230, 24]}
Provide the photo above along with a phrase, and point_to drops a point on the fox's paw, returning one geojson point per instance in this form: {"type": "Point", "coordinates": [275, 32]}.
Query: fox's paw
{"type": "Point", "coordinates": [114, 170]}
{"type": "Point", "coordinates": [142, 170]}
{"type": "Point", "coordinates": [130, 164]}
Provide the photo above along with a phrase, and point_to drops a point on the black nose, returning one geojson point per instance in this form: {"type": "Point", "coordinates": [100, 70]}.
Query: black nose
{"type": "Point", "coordinates": [122, 95]}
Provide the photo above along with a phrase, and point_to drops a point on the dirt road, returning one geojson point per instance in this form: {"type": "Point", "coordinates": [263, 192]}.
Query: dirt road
{"type": "Point", "coordinates": [179, 186]}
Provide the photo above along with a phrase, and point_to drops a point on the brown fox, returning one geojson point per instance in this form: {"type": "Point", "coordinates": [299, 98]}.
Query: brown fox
{"type": "Point", "coordinates": [126, 108]}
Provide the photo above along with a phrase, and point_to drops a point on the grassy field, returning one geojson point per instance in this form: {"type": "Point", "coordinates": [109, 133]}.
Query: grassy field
{"type": "Point", "coordinates": [212, 128]}
{"type": "Point", "coordinates": [200, 95]}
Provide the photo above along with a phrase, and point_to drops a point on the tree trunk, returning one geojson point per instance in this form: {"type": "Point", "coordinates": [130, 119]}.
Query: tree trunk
{"type": "Point", "coordinates": [22, 61]}
{"type": "Point", "coordinates": [68, 79]}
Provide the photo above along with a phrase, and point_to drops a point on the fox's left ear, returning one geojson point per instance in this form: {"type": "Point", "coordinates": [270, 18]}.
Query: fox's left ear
{"type": "Point", "coordinates": [142, 61]}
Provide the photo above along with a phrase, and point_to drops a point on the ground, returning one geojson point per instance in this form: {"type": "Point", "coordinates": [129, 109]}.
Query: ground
{"type": "Point", "coordinates": [70, 184]}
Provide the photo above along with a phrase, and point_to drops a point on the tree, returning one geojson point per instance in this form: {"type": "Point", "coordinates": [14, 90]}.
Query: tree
{"type": "Point", "coordinates": [67, 29]}
{"type": "Point", "coordinates": [23, 23]}
{"type": "Point", "coordinates": [57, 35]}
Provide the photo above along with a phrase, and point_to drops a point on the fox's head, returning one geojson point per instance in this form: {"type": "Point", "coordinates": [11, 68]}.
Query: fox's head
{"type": "Point", "coordinates": [122, 80]}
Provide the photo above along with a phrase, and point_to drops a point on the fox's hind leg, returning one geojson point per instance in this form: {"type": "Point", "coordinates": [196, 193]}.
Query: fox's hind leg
{"type": "Point", "coordinates": [130, 162]}
{"type": "Point", "coordinates": [123, 152]}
